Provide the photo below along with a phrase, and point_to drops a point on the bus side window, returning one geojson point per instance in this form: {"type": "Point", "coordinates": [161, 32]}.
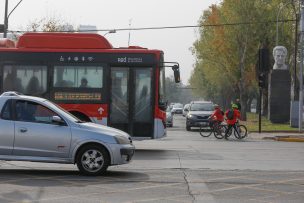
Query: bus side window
{"type": "Point", "coordinates": [33, 87]}
{"type": "Point", "coordinates": [27, 79]}
{"type": "Point", "coordinates": [12, 83]}
{"type": "Point", "coordinates": [78, 76]}
{"type": "Point", "coordinates": [64, 83]}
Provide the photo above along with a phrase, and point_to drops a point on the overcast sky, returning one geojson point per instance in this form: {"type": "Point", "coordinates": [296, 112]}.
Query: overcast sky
{"type": "Point", "coordinates": [115, 14]}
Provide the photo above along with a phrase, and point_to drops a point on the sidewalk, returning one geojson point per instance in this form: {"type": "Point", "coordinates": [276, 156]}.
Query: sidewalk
{"type": "Point", "coordinates": [278, 136]}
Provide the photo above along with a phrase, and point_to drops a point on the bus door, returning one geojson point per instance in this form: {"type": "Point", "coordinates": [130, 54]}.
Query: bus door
{"type": "Point", "coordinates": [131, 108]}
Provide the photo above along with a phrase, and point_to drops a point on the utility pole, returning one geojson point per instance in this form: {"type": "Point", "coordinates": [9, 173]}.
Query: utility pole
{"type": "Point", "coordinates": [6, 16]}
{"type": "Point", "coordinates": [301, 68]}
{"type": "Point", "coordinates": [130, 22]}
{"type": "Point", "coordinates": [5, 19]}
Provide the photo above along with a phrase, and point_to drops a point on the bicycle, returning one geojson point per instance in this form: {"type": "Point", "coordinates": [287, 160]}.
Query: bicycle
{"type": "Point", "coordinates": [242, 131]}
{"type": "Point", "coordinates": [216, 128]}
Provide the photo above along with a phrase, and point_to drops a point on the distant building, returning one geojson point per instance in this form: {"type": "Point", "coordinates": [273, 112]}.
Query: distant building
{"type": "Point", "coordinates": [87, 28]}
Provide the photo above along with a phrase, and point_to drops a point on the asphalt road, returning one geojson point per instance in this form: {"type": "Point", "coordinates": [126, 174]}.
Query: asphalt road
{"type": "Point", "coordinates": [183, 167]}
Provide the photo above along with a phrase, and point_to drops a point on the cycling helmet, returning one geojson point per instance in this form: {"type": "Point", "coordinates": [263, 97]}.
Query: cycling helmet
{"type": "Point", "coordinates": [234, 106]}
{"type": "Point", "coordinates": [216, 106]}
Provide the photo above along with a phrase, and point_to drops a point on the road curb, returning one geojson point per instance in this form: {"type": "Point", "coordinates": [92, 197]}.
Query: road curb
{"type": "Point", "coordinates": [276, 131]}
{"type": "Point", "coordinates": [285, 138]}
{"type": "Point", "coordinates": [290, 139]}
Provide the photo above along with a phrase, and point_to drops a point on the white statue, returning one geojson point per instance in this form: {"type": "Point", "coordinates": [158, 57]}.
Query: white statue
{"type": "Point", "coordinates": [279, 55]}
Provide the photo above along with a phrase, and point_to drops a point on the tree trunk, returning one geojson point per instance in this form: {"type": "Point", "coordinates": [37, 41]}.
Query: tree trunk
{"type": "Point", "coordinates": [243, 94]}
{"type": "Point", "coordinates": [243, 99]}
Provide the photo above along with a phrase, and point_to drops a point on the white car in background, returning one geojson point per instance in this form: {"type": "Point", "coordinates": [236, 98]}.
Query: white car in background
{"type": "Point", "coordinates": [171, 106]}
{"type": "Point", "coordinates": [169, 118]}
{"type": "Point", "coordinates": [177, 108]}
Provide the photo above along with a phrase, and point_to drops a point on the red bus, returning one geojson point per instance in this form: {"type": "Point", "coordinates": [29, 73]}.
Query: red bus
{"type": "Point", "coordinates": [119, 87]}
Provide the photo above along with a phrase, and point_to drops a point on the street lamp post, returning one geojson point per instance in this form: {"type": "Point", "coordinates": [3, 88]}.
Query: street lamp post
{"type": "Point", "coordinates": [7, 16]}
{"type": "Point", "coordinates": [5, 19]}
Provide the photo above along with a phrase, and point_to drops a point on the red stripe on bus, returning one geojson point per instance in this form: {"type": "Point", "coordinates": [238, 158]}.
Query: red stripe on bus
{"type": "Point", "coordinates": [160, 114]}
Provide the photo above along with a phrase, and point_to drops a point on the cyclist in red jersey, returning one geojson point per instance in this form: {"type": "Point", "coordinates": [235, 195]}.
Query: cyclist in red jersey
{"type": "Point", "coordinates": [217, 116]}
{"type": "Point", "coordinates": [231, 121]}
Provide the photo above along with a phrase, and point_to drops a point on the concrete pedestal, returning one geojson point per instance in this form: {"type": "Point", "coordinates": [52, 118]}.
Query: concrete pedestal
{"type": "Point", "coordinates": [279, 96]}
{"type": "Point", "coordinates": [294, 114]}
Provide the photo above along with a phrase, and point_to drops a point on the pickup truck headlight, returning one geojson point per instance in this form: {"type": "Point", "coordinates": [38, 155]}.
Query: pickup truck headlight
{"type": "Point", "coordinates": [191, 116]}
{"type": "Point", "coordinates": [123, 140]}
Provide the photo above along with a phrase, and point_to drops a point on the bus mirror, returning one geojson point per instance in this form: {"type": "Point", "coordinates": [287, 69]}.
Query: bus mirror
{"type": "Point", "coordinates": [175, 69]}
{"type": "Point", "coordinates": [163, 105]}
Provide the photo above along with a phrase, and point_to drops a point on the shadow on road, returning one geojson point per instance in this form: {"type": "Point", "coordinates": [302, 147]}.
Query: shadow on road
{"type": "Point", "coordinates": [28, 185]}
{"type": "Point", "coordinates": [154, 154]}
{"type": "Point", "coordinates": [55, 178]}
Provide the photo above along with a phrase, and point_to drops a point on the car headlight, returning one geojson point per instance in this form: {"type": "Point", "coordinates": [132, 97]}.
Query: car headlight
{"type": "Point", "coordinates": [191, 116]}
{"type": "Point", "coordinates": [123, 140]}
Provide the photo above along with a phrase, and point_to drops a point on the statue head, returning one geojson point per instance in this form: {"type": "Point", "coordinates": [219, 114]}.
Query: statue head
{"type": "Point", "coordinates": [279, 55]}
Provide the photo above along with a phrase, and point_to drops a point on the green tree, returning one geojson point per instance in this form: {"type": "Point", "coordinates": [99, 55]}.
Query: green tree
{"type": "Point", "coordinates": [227, 55]}
{"type": "Point", "coordinates": [212, 78]}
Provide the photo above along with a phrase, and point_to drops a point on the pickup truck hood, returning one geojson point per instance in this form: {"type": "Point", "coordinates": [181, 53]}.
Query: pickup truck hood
{"type": "Point", "coordinates": [200, 113]}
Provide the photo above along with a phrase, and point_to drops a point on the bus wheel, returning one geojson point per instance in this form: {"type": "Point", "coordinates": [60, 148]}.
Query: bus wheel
{"type": "Point", "coordinates": [93, 160]}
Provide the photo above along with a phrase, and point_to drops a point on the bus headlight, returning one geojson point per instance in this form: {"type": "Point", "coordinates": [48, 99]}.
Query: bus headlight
{"type": "Point", "coordinates": [122, 139]}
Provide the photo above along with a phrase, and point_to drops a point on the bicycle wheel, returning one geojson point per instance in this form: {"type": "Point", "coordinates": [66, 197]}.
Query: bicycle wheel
{"type": "Point", "coordinates": [206, 131]}
{"type": "Point", "coordinates": [242, 131]}
{"type": "Point", "coordinates": [220, 131]}
{"type": "Point", "coordinates": [230, 131]}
